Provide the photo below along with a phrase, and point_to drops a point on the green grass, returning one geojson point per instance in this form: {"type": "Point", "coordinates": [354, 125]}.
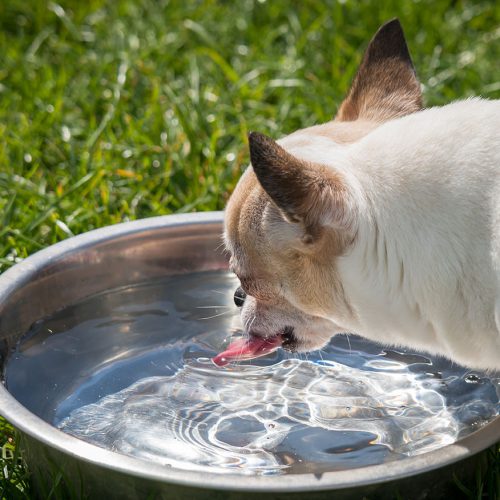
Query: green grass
{"type": "Point", "coordinates": [14, 478]}
{"type": "Point", "coordinates": [112, 111]}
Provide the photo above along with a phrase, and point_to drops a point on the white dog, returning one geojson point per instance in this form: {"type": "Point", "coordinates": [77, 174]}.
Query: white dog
{"type": "Point", "coordinates": [384, 222]}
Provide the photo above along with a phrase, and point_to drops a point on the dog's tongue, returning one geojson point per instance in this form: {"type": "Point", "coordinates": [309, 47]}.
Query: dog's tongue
{"type": "Point", "coordinates": [247, 348]}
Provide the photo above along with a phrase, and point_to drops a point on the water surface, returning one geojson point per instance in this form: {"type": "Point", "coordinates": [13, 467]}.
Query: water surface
{"type": "Point", "coordinates": [130, 370]}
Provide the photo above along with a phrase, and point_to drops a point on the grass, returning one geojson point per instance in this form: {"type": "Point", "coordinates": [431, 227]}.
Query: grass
{"type": "Point", "coordinates": [112, 111]}
{"type": "Point", "coordinates": [14, 477]}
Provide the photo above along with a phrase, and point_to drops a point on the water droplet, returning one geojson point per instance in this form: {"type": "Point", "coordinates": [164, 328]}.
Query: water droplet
{"type": "Point", "coordinates": [472, 379]}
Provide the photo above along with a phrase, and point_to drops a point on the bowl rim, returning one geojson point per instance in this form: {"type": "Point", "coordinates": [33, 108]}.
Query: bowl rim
{"type": "Point", "coordinates": [28, 423]}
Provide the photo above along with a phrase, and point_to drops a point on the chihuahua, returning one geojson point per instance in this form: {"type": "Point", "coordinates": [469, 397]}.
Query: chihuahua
{"type": "Point", "coordinates": [384, 222]}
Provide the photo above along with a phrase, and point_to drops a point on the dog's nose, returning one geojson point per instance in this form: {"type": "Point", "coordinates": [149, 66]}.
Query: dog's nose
{"type": "Point", "coordinates": [239, 297]}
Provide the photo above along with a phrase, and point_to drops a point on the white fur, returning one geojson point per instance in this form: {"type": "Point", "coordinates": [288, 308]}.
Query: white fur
{"type": "Point", "coordinates": [424, 270]}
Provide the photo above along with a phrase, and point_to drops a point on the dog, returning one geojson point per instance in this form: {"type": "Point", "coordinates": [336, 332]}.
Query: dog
{"type": "Point", "coordinates": [384, 222]}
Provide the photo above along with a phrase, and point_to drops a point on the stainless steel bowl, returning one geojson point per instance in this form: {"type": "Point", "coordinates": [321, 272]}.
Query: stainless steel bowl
{"type": "Point", "coordinates": [138, 251]}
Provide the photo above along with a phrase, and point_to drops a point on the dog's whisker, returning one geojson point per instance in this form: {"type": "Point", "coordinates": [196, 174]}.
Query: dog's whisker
{"type": "Point", "coordinates": [245, 325]}
{"type": "Point", "coordinates": [222, 245]}
{"type": "Point", "coordinates": [349, 342]}
{"type": "Point", "coordinates": [214, 307]}
{"type": "Point", "coordinates": [215, 315]}
{"type": "Point", "coordinates": [249, 323]}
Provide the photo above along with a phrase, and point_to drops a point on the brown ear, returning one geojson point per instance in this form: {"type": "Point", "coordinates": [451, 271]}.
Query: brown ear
{"type": "Point", "coordinates": [385, 85]}
{"type": "Point", "coordinates": [306, 193]}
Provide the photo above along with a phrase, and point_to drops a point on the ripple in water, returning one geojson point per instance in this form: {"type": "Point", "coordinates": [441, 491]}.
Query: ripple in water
{"type": "Point", "coordinates": [159, 397]}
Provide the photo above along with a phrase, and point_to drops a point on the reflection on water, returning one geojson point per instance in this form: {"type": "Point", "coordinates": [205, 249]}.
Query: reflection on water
{"type": "Point", "coordinates": [130, 371]}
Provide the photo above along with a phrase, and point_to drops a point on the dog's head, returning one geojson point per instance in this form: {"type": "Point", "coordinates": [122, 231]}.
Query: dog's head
{"type": "Point", "coordinates": [294, 211]}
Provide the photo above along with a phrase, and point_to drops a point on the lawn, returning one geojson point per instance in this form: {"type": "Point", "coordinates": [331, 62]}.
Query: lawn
{"type": "Point", "coordinates": [113, 111]}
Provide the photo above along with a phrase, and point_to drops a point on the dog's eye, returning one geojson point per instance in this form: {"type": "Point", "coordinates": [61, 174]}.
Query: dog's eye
{"type": "Point", "coordinates": [239, 297]}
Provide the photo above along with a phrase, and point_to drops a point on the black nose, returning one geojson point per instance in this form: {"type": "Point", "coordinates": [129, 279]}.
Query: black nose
{"type": "Point", "coordinates": [239, 297]}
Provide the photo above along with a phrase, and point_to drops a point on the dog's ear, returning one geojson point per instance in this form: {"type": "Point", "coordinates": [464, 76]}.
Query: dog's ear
{"type": "Point", "coordinates": [306, 193]}
{"type": "Point", "coordinates": [385, 85]}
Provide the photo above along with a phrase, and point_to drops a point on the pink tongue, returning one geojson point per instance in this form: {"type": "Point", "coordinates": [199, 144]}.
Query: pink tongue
{"type": "Point", "coordinates": [249, 348]}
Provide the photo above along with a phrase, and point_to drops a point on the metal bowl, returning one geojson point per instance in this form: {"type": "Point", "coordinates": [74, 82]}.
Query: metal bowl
{"type": "Point", "coordinates": [138, 251]}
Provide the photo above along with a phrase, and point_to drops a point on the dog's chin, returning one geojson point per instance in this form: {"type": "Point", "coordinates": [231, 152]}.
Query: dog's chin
{"type": "Point", "coordinates": [293, 341]}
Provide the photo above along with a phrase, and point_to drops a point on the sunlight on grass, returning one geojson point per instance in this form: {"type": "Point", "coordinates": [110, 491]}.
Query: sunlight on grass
{"type": "Point", "coordinates": [112, 111]}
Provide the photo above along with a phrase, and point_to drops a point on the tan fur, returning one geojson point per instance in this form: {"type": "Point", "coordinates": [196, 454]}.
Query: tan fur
{"type": "Point", "coordinates": [385, 86]}
{"type": "Point", "coordinates": [376, 103]}
{"type": "Point", "coordinates": [342, 132]}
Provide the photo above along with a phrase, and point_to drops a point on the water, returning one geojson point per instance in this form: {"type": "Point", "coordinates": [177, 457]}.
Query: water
{"type": "Point", "coordinates": [130, 370]}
